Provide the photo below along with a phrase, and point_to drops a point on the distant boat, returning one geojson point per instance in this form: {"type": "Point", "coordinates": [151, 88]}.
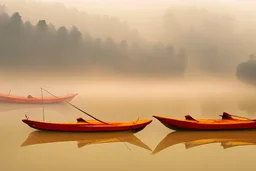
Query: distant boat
{"type": "Point", "coordinates": [191, 139]}
{"type": "Point", "coordinates": [228, 122]}
{"type": "Point", "coordinates": [89, 126]}
{"type": "Point", "coordinates": [35, 100]}
{"type": "Point", "coordinates": [82, 139]}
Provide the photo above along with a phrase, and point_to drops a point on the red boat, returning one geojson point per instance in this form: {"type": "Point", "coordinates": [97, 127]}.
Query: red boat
{"type": "Point", "coordinates": [228, 122]}
{"type": "Point", "coordinates": [89, 126]}
{"type": "Point", "coordinates": [35, 100]}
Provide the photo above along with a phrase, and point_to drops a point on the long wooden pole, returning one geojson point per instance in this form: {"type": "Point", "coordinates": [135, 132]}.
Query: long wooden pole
{"type": "Point", "coordinates": [78, 109]}
{"type": "Point", "coordinates": [241, 117]}
{"type": "Point", "coordinates": [9, 92]}
{"type": "Point", "coordinates": [42, 102]}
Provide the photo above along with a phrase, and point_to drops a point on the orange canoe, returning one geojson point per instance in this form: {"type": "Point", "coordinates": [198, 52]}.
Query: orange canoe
{"type": "Point", "coordinates": [35, 100]}
{"type": "Point", "coordinates": [89, 126]}
{"type": "Point", "coordinates": [228, 122]}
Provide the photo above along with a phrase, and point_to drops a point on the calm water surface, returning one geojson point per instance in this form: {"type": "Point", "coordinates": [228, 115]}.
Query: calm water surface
{"type": "Point", "coordinates": [154, 148]}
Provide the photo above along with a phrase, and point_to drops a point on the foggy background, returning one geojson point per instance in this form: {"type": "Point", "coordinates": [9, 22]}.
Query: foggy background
{"type": "Point", "coordinates": [126, 59]}
{"type": "Point", "coordinates": [173, 39]}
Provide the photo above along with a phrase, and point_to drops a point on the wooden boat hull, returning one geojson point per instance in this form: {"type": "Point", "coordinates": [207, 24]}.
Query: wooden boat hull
{"type": "Point", "coordinates": [207, 125]}
{"type": "Point", "coordinates": [35, 100]}
{"type": "Point", "coordinates": [192, 139]}
{"type": "Point", "coordinates": [82, 139]}
{"type": "Point", "coordinates": [91, 126]}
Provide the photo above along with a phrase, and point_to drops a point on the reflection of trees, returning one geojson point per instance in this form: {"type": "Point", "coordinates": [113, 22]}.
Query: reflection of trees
{"type": "Point", "coordinates": [42, 44]}
{"type": "Point", "coordinates": [216, 106]}
{"type": "Point", "coordinates": [248, 104]}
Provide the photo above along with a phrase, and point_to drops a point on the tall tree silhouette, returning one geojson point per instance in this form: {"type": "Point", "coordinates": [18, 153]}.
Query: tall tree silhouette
{"type": "Point", "coordinates": [15, 38]}
{"type": "Point", "coordinates": [43, 46]}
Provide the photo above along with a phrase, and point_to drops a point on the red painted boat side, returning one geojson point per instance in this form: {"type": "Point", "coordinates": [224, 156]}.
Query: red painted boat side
{"type": "Point", "coordinates": [92, 126]}
{"type": "Point", "coordinates": [221, 124]}
{"type": "Point", "coordinates": [35, 100]}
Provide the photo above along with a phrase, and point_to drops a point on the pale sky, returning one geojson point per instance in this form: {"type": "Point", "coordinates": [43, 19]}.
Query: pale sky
{"type": "Point", "coordinates": [146, 15]}
{"type": "Point", "coordinates": [141, 2]}
{"type": "Point", "coordinates": [115, 7]}
{"type": "Point", "coordinates": [112, 2]}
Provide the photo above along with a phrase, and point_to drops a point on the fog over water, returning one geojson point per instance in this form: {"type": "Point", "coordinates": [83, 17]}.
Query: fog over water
{"type": "Point", "coordinates": [163, 38]}
{"type": "Point", "coordinates": [125, 100]}
{"type": "Point", "coordinates": [127, 60]}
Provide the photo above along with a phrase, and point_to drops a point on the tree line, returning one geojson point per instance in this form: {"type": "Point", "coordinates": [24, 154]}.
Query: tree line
{"type": "Point", "coordinates": [43, 45]}
{"type": "Point", "coordinates": [216, 41]}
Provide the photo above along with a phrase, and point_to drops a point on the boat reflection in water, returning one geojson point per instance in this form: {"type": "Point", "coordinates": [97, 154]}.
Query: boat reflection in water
{"type": "Point", "coordinates": [83, 139]}
{"type": "Point", "coordinates": [248, 105]}
{"type": "Point", "coordinates": [191, 139]}
{"type": "Point", "coordinates": [8, 107]}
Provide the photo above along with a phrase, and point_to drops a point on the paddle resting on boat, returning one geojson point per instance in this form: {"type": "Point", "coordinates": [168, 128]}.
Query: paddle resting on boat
{"type": "Point", "coordinates": [89, 126]}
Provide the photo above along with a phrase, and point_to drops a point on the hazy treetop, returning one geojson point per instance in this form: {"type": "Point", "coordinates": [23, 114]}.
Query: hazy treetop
{"type": "Point", "coordinates": [217, 35]}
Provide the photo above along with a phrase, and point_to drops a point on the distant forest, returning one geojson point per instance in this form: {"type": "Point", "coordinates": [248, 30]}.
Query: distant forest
{"type": "Point", "coordinates": [217, 42]}
{"type": "Point", "coordinates": [195, 40]}
{"type": "Point", "coordinates": [45, 46]}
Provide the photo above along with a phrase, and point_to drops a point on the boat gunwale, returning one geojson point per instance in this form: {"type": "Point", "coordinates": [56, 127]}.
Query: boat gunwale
{"type": "Point", "coordinates": [207, 121]}
{"type": "Point", "coordinates": [17, 97]}
{"type": "Point", "coordinates": [110, 124]}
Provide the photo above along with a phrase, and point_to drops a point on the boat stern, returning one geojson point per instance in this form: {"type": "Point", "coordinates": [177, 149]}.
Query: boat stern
{"type": "Point", "coordinates": [141, 126]}
{"type": "Point", "coordinates": [29, 123]}
{"type": "Point", "coordinates": [26, 121]}
{"type": "Point", "coordinates": [159, 118]}
{"type": "Point", "coordinates": [71, 97]}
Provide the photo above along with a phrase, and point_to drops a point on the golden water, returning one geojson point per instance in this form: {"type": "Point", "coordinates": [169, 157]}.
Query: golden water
{"type": "Point", "coordinates": [119, 100]}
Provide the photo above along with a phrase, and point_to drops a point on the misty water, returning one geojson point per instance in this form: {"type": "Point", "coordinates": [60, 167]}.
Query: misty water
{"type": "Point", "coordinates": [23, 148]}
{"type": "Point", "coordinates": [127, 60]}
